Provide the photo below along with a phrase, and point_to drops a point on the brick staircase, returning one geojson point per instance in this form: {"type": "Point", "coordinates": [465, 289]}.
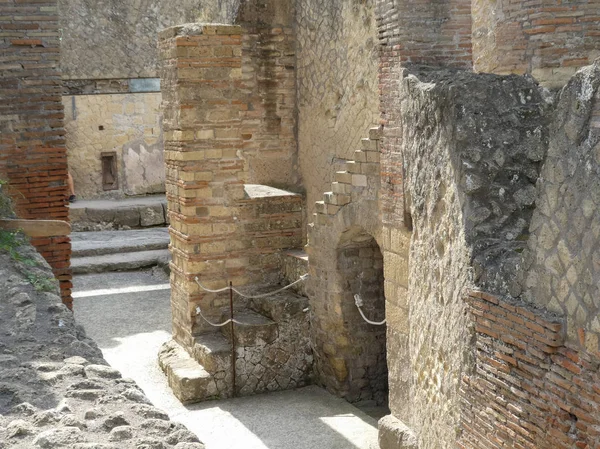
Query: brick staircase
{"type": "Point", "coordinates": [361, 173]}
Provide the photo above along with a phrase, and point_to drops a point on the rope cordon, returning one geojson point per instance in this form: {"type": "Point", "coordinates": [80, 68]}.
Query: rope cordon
{"type": "Point", "coordinates": [243, 295]}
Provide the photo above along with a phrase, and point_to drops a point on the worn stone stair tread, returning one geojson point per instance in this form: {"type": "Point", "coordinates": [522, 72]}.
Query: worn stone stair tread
{"type": "Point", "coordinates": [297, 253]}
{"type": "Point", "coordinates": [280, 306]}
{"type": "Point", "coordinates": [213, 352]}
{"type": "Point", "coordinates": [126, 203]}
{"type": "Point", "coordinates": [119, 262]}
{"type": "Point", "coordinates": [259, 330]}
{"type": "Point", "coordinates": [99, 243]}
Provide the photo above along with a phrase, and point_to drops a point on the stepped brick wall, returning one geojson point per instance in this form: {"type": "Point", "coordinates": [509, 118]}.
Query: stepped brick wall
{"type": "Point", "coordinates": [528, 389]}
{"type": "Point", "coordinates": [32, 145]}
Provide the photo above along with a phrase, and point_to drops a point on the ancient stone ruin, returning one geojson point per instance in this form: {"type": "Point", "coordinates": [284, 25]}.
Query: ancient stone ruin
{"type": "Point", "coordinates": [433, 168]}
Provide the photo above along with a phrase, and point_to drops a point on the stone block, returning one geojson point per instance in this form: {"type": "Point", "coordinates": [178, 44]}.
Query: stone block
{"type": "Point", "coordinates": [394, 434]}
{"type": "Point", "coordinates": [257, 331]}
{"type": "Point", "coordinates": [213, 352]}
{"type": "Point", "coordinates": [152, 215]}
{"type": "Point", "coordinates": [189, 381]}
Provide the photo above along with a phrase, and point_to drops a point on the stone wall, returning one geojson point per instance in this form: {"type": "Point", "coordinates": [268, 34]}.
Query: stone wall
{"type": "Point", "coordinates": [129, 125]}
{"type": "Point", "coordinates": [349, 353]}
{"type": "Point", "coordinates": [337, 86]}
{"type": "Point", "coordinates": [468, 167]}
{"type": "Point", "coordinates": [115, 39]}
{"type": "Point", "coordinates": [563, 249]}
{"type": "Point", "coordinates": [33, 157]}
{"type": "Point", "coordinates": [549, 39]}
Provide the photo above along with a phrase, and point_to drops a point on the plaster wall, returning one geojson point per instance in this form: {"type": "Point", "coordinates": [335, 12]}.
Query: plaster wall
{"type": "Point", "coordinates": [128, 124]}
{"type": "Point", "coordinates": [468, 170]}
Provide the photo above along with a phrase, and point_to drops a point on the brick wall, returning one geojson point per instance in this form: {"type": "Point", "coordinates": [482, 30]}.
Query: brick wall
{"type": "Point", "coordinates": [547, 38]}
{"type": "Point", "coordinates": [32, 147]}
{"type": "Point", "coordinates": [429, 32]}
{"type": "Point", "coordinates": [528, 390]}
{"type": "Point", "coordinates": [269, 75]}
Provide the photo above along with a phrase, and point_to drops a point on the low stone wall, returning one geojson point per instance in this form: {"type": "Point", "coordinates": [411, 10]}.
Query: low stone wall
{"type": "Point", "coordinates": [56, 390]}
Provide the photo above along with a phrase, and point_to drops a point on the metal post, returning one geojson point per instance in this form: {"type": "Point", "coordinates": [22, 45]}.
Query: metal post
{"type": "Point", "coordinates": [232, 338]}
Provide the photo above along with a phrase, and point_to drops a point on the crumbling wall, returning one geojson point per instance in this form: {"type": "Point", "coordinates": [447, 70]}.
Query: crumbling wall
{"type": "Point", "coordinates": [549, 39]}
{"type": "Point", "coordinates": [129, 125]}
{"type": "Point", "coordinates": [33, 157]}
{"type": "Point", "coordinates": [472, 146]}
{"type": "Point", "coordinates": [337, 86]}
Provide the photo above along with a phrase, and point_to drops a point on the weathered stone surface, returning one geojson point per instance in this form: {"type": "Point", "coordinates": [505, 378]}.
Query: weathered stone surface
{"type": "Point", "coordinates": [563, 254]}
{"type": "Point", "coordinates": [189, 381]}
{"type": "Point", "coordinates": [56, 390]}
{"type": "Point", "coordinates": [394, 434]}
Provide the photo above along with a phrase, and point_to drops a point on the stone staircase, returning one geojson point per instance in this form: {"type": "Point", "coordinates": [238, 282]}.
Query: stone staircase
{"type": "Point", "coordinates": [119, 214]}
{"type": "Point", "coordinates": [272, 351]}
{"type": "Point", "coordinates": [361, 173]}
{"type": "Point", "coordinates": [101, 251]}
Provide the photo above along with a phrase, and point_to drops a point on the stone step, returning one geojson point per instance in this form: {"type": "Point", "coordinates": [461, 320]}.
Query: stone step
{"type": "Point", "coordinates": [99, 243]}
{"type": "Point", "coordinates": [135, 212]}
{"type": "Point", "coordinates": [189, 381]}
{"type": "Point", "coordinates": [213, 352]}
{"type": "Point", "coordinates": [120, 262]}
{"type": "Point", "coordinates": [260, 329]}
{"type": "Point", "coordinates": [281, 306]}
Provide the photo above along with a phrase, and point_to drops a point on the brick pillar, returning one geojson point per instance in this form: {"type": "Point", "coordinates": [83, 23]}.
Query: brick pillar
{"type": "Point", "coordinates": [201, 80]}
{"type": "Point", "coordinates": [33, 157]}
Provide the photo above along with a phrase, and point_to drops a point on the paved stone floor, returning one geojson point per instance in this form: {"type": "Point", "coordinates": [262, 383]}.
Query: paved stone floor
{"type": "Point", "coordinates": [129, 326]}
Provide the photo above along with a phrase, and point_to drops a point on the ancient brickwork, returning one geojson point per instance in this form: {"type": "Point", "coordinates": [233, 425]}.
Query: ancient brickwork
{"type": "Point", "coordinates": [337, 87]}
{"type": "Point", "coordinates": [32, 147]}
{"type": "Point", "coordinates": [222, 229]}
{"type": "Point", "coordinates": [116, 39]}
{"type": "Point", "coordinates": [527, 389]}
{"type": "Point", "coordinates": [269, 74]}
{"type": "Point", "coordinates": [549, 39]}
{"type": "Point", "coordinates": [563, 250]}
{"type": "Point", "coordinates": [128, 125]}
{"type": "Point", "coordinates": [436, 33]}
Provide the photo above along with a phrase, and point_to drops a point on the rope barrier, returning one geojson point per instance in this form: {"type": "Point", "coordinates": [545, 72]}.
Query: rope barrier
{"type": "Point", "coordinates": [243, 295]}
{"type": "Point", "coordinates": [359, 303]}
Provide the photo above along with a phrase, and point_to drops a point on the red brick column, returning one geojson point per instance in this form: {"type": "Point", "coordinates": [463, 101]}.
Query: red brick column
{"type": "Point", "coordinates": [201, 84]}
{"type": "Point", "coordinates": [32, 147]}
